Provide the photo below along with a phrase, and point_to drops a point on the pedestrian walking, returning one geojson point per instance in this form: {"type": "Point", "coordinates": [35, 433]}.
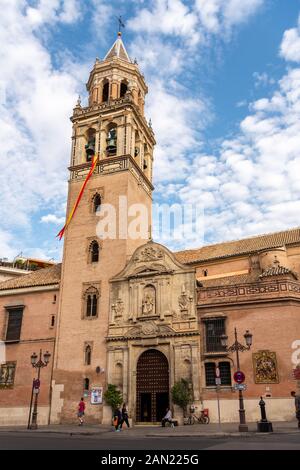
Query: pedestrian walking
{"type": "Point", "coordinates": [80, 413]}
{"type": "Point", "coordinates": [297, 406]}
{"type": "Point", "coordinates": [166, 418]}
{"type": "Point", "coordinates": [124, 416]}
{"type": "Point", "coordinates": [117, 419]}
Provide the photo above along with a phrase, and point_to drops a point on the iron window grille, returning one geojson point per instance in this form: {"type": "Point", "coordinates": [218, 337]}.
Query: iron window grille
{"type": "Point", "coordinates": [214, 329]}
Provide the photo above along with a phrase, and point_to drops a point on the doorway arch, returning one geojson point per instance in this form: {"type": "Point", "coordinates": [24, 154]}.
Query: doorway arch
{"type": "Point", "coordinates": [152, 386]}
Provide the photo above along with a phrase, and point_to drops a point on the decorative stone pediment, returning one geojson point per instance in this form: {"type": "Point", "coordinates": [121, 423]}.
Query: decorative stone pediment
{"type": "Point", "coordinates": [151, 259]}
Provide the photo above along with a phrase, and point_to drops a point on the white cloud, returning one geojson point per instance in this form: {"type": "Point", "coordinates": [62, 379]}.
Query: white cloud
{"type": "Point", "coordinates": [219, 16]}
{"type": "Point", "coordinates": [290, 45]}
{"type": "Point", "coordinates": [36, 102]}
{"type": "Point", "coordinates": [256, 174]}
{"type": "Point", "coordinates": [52, 219]}
{"type": "Point", "coordinates": [168, 17]}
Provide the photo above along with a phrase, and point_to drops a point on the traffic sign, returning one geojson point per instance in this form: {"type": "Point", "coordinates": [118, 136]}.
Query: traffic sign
{"type": "Point", "coordinates": [218, 380]}
{"type": "Point", "coordinates": [36, 383]}
{"type": "Point", "coordinates": [296, 373]}
{"type": "Point", "coordinates": [241, 387]}
{"type": "Point", "coordinates": [217, 372]}
{"type": "Point", "coordinates": [239, 377]}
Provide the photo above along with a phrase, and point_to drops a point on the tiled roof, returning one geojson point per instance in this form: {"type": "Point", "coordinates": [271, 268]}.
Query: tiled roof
{"type": "Point", "coordinates": [277, 271]}
{"type": "Point", "coordinates": [239, 247]}
{"type": "Point", "coordinates": [118, 50]}
{"type": "Point", "coordinates": [230, 280]}
{"type": "Point", "coordinates": [41, 277]}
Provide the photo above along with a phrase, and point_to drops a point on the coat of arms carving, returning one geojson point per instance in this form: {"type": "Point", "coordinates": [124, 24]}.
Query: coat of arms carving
{"type": "Point", "coordinates": [149, 254]}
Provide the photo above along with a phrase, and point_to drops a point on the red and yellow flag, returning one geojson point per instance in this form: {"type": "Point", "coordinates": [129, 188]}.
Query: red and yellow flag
{"type": "Point", "coordinates": [71, 215]}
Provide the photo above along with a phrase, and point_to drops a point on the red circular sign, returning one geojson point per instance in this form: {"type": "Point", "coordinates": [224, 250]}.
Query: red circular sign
{"type": "Point", "coordinates": [36, 383]}
{"type": "Point", "coordinates": [239, 377]}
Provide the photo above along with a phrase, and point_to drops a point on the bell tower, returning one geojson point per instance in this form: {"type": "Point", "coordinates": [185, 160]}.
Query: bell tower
{"type": "Point", "coordinates": [113, 128]}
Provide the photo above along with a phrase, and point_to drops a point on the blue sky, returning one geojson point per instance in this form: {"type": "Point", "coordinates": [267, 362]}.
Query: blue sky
{"type": "Point", "coordinates": [224, 99]}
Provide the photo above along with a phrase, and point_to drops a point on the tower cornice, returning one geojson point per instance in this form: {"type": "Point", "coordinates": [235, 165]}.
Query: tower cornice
{"type": "Point", "coordinates": [103, 109]}
{"type": "Point", "coordinates": [117, 64]}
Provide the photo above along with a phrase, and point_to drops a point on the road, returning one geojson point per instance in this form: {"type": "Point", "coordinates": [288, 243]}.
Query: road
{"type": "Point", "coordinates": [113, 441]}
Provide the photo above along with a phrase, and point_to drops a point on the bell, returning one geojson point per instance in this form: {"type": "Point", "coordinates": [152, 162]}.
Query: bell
{"type": "Point", "coordinates": [111, 141]}
{"type": "Point", "coordinates": [90, 149]}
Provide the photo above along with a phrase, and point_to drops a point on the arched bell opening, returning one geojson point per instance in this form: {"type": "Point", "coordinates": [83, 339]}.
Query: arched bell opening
{"type": "Point", "coordinates": [111, 140]}
{"type": "Point", "coordinates": [105, 91]}
{"type": "Point", "coordinates": [91, 144]}
{"type": "Point", "coordinates": [123, 88]}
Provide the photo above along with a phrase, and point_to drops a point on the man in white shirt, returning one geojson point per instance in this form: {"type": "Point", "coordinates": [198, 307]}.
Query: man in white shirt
{"type": "Point", "coordinates": [167, 418]}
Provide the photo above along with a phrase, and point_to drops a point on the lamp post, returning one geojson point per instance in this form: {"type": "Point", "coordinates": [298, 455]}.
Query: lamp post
{"type": "Point", "coordinates": [238, 347]}
{"type": "Point", "coordinates": [37, 364]}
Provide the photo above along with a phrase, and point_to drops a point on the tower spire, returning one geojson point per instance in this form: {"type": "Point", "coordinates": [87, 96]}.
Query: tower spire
{"type": "Point", "coordinates": [118, 50]}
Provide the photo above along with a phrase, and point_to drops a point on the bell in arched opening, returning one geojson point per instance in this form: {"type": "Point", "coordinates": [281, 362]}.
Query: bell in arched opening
{"type": "Point", "coordinates": [90, 146]}
{"type": "Point", "coordinates": [111, 141]}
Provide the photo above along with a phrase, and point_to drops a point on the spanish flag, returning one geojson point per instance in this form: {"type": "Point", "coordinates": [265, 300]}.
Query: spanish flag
{"type": "Point", "coordinates": [71, 215]}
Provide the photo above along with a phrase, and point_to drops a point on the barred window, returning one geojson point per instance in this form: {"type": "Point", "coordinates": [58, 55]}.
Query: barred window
{"type": "Point", "coordinates": [210, 373]}
{"type": "Point", "coordinates": [7, 374]}
{"type": "Point", "coordinates": [225, 373]}
{"type": "Point", "coordinates": [214, 329]}
{"type": "Point", "coordinates": [14, 324]}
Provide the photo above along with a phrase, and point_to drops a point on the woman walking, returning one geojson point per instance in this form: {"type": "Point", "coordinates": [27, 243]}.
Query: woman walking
{"type": "Point", "coordinates": [124, 416]}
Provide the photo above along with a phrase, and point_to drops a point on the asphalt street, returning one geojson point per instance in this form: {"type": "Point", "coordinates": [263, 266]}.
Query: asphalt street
{"type": "Point", "coordinates": [113, 441]}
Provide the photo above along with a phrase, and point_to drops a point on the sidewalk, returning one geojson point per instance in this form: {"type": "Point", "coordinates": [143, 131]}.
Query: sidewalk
{"type": "Point", "coordinates": [227, 429]}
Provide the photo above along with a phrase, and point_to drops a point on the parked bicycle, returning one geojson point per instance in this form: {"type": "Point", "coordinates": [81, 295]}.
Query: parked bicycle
{"type": "Point", "coordinates": [202, 419]}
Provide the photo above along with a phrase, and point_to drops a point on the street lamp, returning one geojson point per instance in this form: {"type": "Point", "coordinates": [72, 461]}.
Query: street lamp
{"type": "Point", "coordinates": [36, 364]}
{"type": "Point", "coordinates": [238, 347]}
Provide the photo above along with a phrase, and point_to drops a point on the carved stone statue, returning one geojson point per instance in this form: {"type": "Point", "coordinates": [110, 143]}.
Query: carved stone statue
{"type": "Point", "coordinates": [148, 303]}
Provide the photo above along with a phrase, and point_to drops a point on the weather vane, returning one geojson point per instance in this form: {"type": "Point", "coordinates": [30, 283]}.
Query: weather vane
{"type": "Point", "coordinates": [121, 23]}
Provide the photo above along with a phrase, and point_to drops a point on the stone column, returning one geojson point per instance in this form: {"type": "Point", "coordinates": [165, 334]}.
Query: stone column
{"type": "Point", "coordinates": [195, 353]}
{"type": "Point", "coordinates": [125, 375]}
{"type": "Point", "coordinates": [114, 89]}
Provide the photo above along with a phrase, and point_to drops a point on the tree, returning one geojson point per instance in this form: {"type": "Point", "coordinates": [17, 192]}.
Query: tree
{"type": "Point", "coordinates": [113, 397]}
{"type": "Point", "coordinates": [182, 394]}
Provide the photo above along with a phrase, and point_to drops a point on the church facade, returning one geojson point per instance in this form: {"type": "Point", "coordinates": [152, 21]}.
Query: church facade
{"type": "Point", "coordinates": [126, 310]}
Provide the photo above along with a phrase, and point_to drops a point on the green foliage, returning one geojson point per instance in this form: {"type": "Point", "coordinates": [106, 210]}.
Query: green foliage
{"type": "Point", "coordinates": [113, 397]}
{"type": "Point", "coordinates": [182, 394]}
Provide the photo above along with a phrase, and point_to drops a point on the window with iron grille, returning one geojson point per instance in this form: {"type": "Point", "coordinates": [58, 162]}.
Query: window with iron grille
{"type": "Point", "coordinates": [7, 374]}
{"type": "Point", "coordinates": [225, 373]}
{"type": "Point", "coordinates": [210, 373]}
{"type": "Point", "coordinates": [214, 329]}
{"type": "Point", "coordinates": [14, 324]}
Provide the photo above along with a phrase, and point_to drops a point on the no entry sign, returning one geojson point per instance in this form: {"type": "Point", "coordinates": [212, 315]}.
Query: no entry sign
{"type": "Point", "coordinates": [239, 377]}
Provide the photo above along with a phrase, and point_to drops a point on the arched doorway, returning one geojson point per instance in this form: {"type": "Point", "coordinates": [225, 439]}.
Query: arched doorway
{"type": "Point", "coordinates": [152, 386]}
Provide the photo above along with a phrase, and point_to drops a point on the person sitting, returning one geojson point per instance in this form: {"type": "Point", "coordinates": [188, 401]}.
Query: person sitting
{"type": "Point", "coordinates": [167, 418]}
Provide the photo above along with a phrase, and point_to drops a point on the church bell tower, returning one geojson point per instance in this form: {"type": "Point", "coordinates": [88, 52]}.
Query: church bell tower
{"type": "Point", "coordinates": [113, 128]}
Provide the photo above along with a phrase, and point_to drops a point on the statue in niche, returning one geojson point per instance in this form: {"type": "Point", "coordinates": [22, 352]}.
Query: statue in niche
{"type": "Point", "coordinates": [117, 310]}
{"type": "Point", "coordinates": [183, 302]}
{"type": "Point", "coordinates": [149, 301]}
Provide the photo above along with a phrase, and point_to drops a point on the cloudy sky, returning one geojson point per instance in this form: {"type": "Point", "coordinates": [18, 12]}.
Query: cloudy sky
{"type": "Point", "coordinates": [224, 99]}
